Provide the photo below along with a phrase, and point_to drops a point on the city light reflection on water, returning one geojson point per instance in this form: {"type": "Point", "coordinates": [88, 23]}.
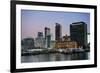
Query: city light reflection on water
{"type": "Point", "coordinates": [55, 57]}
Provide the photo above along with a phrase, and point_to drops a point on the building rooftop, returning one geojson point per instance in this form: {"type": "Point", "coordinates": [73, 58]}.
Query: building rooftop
{"type": "Point", "coordinates": [78, 23]}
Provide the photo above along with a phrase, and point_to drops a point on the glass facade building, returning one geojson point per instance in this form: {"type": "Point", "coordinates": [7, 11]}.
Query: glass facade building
{"type": "Point", "coordinates": [47, 37]}
{"type": "Point", "coordinates": [78, 33]}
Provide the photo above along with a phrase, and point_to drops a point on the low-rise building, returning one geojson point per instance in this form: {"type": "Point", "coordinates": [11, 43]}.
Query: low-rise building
{"type": "Point", "coordinates": [27, 43]}
{"type": "Point", "coordinates": [66, 43]}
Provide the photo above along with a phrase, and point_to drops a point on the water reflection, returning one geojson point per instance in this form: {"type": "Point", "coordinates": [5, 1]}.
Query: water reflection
{"type": "Point", "coordinates": [55, 57]}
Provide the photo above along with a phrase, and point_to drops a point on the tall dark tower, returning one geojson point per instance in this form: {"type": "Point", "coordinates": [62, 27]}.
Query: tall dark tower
{"type": "Point", "coordinates": [47, 32]}
{"type": "Point", "coordinates": [47, 37]}
{"type": "Point", "coordinates": [78, 33]}
{"type": "Point", "coordinates": [58, 32]}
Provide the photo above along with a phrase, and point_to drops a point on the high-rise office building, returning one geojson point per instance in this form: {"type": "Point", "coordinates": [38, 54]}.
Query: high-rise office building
{"type": "Point", "coordinates": [58, 32]}
{"type": "Point", "coordinates": [40, 41]}
{"type": "Point", "coordinates": [78, 33]}
{"type": "Point", "coordinates": [47, 31]}
{"type": "Point", "coordinates": [47, 37]}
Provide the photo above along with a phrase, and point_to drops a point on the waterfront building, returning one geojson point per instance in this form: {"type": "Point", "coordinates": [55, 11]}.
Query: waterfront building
{"type": "Point", "coordinates": [52, 44]}
{"type": "Point", "coordinates": [40, 41]}
{"type": "Point", "coordinates": [27, 43]}
{"type": "Point", "coordinates": [58, 32]}
{"type": "Point", "coordinates": [47, 37]}
{"type": "Point", "coordinates": [78, 33]}
{"type": "Point", "coordinates": [66, 43]}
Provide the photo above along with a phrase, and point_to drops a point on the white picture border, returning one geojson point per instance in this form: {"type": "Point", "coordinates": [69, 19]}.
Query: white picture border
{"type": "Point", "coordinates": [20, 65]}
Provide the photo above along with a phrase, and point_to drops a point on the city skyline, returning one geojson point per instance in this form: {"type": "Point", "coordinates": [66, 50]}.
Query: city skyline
{"type": "Point", "coordinates": [36, 21]}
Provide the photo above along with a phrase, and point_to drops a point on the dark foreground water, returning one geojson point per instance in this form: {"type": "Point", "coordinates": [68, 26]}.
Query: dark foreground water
{"type": "Point", "coordinates": [55, 57]}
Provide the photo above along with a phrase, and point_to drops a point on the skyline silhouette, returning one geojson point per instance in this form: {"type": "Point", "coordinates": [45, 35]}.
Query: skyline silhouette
{"type": "Point", "coordinates": [33, 22]}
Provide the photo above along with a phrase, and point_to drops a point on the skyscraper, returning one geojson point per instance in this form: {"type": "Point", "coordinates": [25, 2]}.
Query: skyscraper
{"type": "Point", "coordinates": [47, 37]}
{"type": "Point", "coordinates": [40, 40]}
{"type": "Point", "coordinates": [47, 31]}
{"type": "Point", "coordinates": [78, 33]}
{"type": "Point", "coordinates": [58, 32]}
